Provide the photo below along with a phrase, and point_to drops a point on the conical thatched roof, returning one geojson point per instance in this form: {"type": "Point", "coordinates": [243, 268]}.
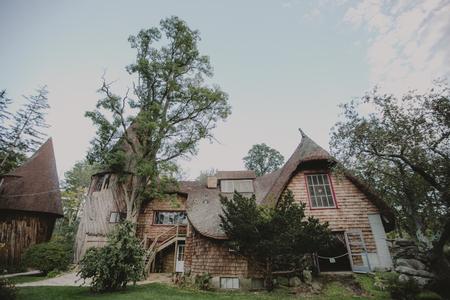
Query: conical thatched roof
{"type": "Point", "coordinates": [34, 186]}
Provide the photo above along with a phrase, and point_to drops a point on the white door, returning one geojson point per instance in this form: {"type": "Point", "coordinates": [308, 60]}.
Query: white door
{"type": "Point", "coordinates": [384, 256]}
{"type": "Point", "coordinates": [179, 265]}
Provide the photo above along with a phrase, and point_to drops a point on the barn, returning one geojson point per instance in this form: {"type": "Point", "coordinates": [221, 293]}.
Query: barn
{"type": "Point", "coordinates": [30, 203]}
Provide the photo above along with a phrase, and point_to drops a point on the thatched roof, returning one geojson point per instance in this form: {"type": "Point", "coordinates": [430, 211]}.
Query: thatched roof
{"type": "Point", "coordinates": [204, 207]}
{"type": "Point", "coordinates": [243, 174]}
{"type": "Point", "coordinates": [34, 186]}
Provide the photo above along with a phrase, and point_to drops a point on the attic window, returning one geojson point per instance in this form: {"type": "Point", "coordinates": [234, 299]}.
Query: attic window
{"type": "Point", "coordinates": [240, 186]}
{"type": "Point", "coordinates": [320, 191]}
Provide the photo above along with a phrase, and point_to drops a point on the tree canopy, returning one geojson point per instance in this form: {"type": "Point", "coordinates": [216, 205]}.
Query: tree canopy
{"type": "Point", "coordinates": [263, 159]}
{"type": "Point", "coordinates": [169, 110]}
{"type": "Point", "coordinates": [272, 238]}
{"type": "Point", "coordinates": [21, 131]}
{"type": "Point", "coordinates": [402, 149]}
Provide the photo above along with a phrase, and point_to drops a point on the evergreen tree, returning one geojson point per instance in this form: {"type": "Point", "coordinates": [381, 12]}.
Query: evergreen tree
{"type": "Point", "coordinates": [272, 238]}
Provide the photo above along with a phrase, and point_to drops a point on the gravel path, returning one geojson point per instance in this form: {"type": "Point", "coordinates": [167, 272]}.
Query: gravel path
{"type": "Point", "coordinates": [71, 279]}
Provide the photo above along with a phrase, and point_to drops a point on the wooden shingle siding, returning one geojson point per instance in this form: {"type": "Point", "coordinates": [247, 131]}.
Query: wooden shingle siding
{"type": "Point", "coordinates": [145, 226]}
{"type": "Point", "coordinates": [205, 255]}
{"type": "Point", "coordinates": [352, 210]}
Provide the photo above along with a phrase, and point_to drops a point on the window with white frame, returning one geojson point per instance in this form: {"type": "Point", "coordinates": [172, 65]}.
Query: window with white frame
{"type": "Point", "coordinates": [229, 282]}
{"type": "Point", "coordinates": [171, 217]}
{"type": "Point", "coordinates": [240, 186]}
{"type": "Point", "coordinates": [320, 191]}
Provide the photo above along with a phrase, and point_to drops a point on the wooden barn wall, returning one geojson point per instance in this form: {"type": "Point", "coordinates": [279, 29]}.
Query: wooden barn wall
{"type": "Point", "coordinates": [146, 227]}
{"type": "Point", "coordinates": [94, 223]}
{"type": "Point", "coordinates": [203, 254]}
{"type": "Point", "coordinates": [353, 206]}
{"type": "Point", "coordinates": [20, 230]}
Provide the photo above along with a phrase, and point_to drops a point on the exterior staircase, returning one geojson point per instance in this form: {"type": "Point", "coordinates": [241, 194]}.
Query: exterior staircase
{"type": "Point", "coordinates": [152, 247]}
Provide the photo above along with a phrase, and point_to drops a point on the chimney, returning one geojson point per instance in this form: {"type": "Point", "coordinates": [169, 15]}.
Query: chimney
{"type": "Point", "coordinates": [211, 182]}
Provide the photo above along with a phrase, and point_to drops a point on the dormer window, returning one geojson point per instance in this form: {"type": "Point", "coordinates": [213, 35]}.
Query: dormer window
{"type": "Point", "coordinates": [320, 191]}
{"type": "Point", "coordinates": [240, 186]}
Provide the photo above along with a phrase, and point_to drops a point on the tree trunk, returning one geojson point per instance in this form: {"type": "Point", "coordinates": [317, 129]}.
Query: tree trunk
{"type": "Point", "coordinates": [439, 263]}
{"type": "Point", "coordinates": [269, 275]}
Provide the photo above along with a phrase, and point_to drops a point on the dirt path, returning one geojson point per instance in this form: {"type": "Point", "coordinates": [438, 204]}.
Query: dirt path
{"type": "Point", "coordinates": [71, 279]}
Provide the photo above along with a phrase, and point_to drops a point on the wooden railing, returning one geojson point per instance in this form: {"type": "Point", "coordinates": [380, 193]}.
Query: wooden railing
{"type": "Point", "coordinates": [160, 241]}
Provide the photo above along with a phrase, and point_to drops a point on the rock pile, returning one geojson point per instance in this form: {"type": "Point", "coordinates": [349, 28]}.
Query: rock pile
{"type": "Point", "coordinates": [411, 262]}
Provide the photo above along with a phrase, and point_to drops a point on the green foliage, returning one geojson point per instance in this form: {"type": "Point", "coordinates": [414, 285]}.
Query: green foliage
{"type": "Point", "coordinates": [402, 149]}
{"type": "Point", "coordinates": [21, 132]}
{"type": "Point", "coordinates": [7, 289]}
{"type": "Point", "coordinates": [262, 159]}
{"type": "Point", "coordinates": [273, 238]}
{"type": "Point", "coordinates": [172, 108]}
{"type": "Point", "coordinates": [114, 265]}
{"type": "Point", "coordinates": [428, 295]}
{"type": "Point", "coordinates": [46, 257]}
{"type": "Point", "coordinates": [202, 281]}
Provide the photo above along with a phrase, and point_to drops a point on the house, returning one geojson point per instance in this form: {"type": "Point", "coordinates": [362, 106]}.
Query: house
{"type": "Point", "coordinates": [184, 234]}
{"type": "Point", "coordinates": [30, 203]}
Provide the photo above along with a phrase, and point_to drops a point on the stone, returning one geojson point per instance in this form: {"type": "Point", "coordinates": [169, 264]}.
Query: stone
{"type": "Point", "coordinates": [413, 272]}
{"type": "Point", "coordinates": [307, 277]}
{"type": "Point", "coordinates": [403, 278]}
{"type": "Point", "coordinates": [316, 286]}
{"type": "Point", "coordinates": [410, 263]}
{"type": "Point", "coordinates": [421, 281]}
{"type": "Point", "coordinates": [294, 281]}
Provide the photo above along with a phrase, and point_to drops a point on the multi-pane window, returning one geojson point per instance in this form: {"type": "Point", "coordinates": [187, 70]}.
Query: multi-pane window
{"type": "Point", "coordinates": [229, 282]}
{"type": "Point", "coordinates": [171, 217]}
{"type": "Point", "coordinates": [320, 192]}
{"type": "Point", "coordinates": [241, 186]}
{"type": "Point", "coordinates": [116, 217]}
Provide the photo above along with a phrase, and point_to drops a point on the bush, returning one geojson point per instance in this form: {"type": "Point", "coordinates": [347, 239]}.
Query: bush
{"type": "Point", "coordinates": [46, 257]}
{"type": "Point", "coordinates": [202, 281]}
{"type": "Point", "coordinates": [403, 290]}
{"type": "Point", "coordinates": [7, 289]}
{"type": "Point", "coordinates": [116, 264]}
{"type": "Point", "coordinates": [428, 295]}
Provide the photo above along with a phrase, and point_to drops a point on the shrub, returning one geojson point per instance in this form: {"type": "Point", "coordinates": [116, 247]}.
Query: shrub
{"type": "Point", "coordinates": [202, 281]}
{"type": "Point", "coordinates": [48, 257]}
{"type": "Point", "coordinates": [428, 295]}
{"type": "Point", "coordinates": [403, 290]}
{"type": "Point", "coordinates": [116, 264]}
{"type": "Point", "coordinates": [7, 289]}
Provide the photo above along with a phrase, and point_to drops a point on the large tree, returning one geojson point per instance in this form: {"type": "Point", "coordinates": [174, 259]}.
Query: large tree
{"type": "Point", "coordinates": [263, 159]}
{"type": "Point", "coordinates": [272, 238]}
{"type": "Point", "coordinates": [169, 110]}
{"type": "Point", "coordinates": [21, 132]}
{"type": "Point", "coordinates": [402, 149]}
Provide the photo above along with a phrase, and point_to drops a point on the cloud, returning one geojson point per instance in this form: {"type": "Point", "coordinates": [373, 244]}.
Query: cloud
{"type": "Point", "coordinates": [409, 42]}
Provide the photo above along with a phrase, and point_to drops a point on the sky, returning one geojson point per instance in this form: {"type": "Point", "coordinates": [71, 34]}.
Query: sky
{"type": "Point", "coordinates": [285, 64]}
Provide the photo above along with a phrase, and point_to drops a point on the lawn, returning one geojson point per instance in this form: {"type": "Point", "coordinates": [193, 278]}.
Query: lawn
{"type": "Point", "coordinates": [333, 290]}
{"type": "Point", "coordinates": [26, 278]}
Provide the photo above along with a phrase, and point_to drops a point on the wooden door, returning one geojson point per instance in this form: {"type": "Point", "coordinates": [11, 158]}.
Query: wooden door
{"type": "Point", "coordinates": [357, 251]}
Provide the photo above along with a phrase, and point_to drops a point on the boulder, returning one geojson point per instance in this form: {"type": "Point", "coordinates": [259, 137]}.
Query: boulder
{"type": "Point", "coordinates": [295, 281]}
{"type": "Point", "coordinates": [422, 281]}
{"type": "Point", "coordinates": [403, 278]}
{"type": "Point", "coordinates": [413, 272]}
{"type": "Point", "coordinates": [410, 263]}
{"type": "Point", "coordinates": [307, 276]}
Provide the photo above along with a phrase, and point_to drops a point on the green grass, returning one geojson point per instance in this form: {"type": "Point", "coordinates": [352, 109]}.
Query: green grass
{"type": "Point", "coordinates": [333, 290]}
{"type": "Point", "coordinates": [26, 278]}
